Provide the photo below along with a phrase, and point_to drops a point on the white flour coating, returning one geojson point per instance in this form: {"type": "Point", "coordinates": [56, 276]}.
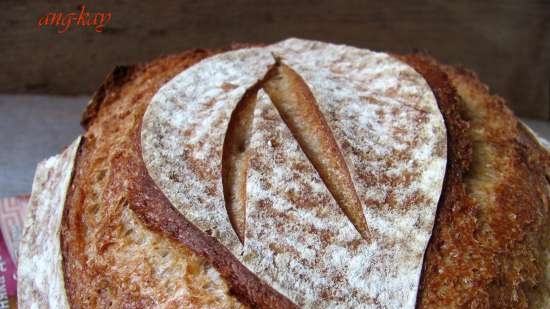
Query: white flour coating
{"type": "Point", "coordinates": [391, 133]}
{"type": "Point", "coordinates": [182, 142]}
{"type": "Point", "coordinates": [40, 282]}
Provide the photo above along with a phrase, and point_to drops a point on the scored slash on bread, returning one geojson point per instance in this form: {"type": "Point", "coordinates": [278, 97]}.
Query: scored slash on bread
{"type": "Point", "coordinates": [235, 159]}
{"type": "Point", "coordinates": [298, 109]}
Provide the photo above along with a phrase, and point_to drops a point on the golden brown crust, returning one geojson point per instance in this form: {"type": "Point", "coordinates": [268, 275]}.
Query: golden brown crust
{"type": "Point", "coordinates": [112, 82]}
{"type": "Point", "coordinates": [487, 249]}
{"type": "Point", "coordinates": [111, 259]}
{"type": "Point", "coordinates": [489, 242]}
{"type": "Point", "coordinates": [130, 201]}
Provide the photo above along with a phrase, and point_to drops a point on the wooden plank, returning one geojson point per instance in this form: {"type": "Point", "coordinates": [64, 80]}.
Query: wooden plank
{"type": "Point", "coordinates": [506, 42]}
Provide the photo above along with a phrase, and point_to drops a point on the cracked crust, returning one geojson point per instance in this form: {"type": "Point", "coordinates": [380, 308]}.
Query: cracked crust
{"type": "Point", "coordinates": [488, 249]}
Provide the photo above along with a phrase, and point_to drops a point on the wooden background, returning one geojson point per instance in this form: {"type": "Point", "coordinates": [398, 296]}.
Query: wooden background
{"type": "Point", "coordinates": [506, 42]}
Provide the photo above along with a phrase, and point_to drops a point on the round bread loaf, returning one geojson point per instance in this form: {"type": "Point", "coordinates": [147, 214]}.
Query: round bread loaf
{"type": "Point", "coordinates": [300, 174]}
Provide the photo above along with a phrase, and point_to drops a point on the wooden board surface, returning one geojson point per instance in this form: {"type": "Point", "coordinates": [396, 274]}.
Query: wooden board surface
{"type": "Point", "coordinates": [506, 42]}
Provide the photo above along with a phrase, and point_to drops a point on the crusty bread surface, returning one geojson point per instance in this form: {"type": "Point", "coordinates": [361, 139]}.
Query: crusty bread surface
{"type": "Point", "coordinates": [125, 246]}
{"type": "Point", "coordinates": [489, 248]}
{"type": "Point", "coordinates": [111, 258]}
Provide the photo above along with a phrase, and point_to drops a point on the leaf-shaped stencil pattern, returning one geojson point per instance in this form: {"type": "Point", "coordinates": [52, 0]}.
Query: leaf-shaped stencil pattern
{"type": "Point", "coordinates": [298, 108]}
{"type": "Point", "coordinates": [299, 235]}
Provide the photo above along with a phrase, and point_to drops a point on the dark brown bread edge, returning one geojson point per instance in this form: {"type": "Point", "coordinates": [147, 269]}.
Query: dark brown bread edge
{"type": "Point", "coordinates": [488, 247]}
{"type": "Point", "coordinates": [117, 77]}
{"type": "Point", "coordinates": [150, 204]}
{"type": "Point", "coordinates": [156, 211]}
{"type": "Point", "coordinates": [459, 150]}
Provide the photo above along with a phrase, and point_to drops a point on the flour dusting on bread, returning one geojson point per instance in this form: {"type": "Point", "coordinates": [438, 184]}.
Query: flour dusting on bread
{"type": "Point", "coordinates": [385, 119]}
{"type": "Point", "coordinates": [40, 282]}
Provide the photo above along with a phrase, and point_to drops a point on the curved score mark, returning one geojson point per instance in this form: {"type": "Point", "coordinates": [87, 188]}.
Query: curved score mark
{"type": "Point", "coordinates": [298, 108]}
{"type": "Point", "coordinates": [235, 158]}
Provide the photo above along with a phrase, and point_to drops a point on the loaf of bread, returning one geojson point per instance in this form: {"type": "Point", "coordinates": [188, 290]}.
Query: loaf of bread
{"type": "Point", "coordinates": [300, 174]}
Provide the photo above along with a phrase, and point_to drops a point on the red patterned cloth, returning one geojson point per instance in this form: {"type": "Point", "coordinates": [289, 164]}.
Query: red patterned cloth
{"type": "Point", "coordinates": [12, 212]}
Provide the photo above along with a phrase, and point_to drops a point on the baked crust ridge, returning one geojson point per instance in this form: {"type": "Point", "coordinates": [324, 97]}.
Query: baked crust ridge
{"type": "Point", "coordinates": [152, 206]}
{"type": "Point", "coordinates": [490, 240]}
